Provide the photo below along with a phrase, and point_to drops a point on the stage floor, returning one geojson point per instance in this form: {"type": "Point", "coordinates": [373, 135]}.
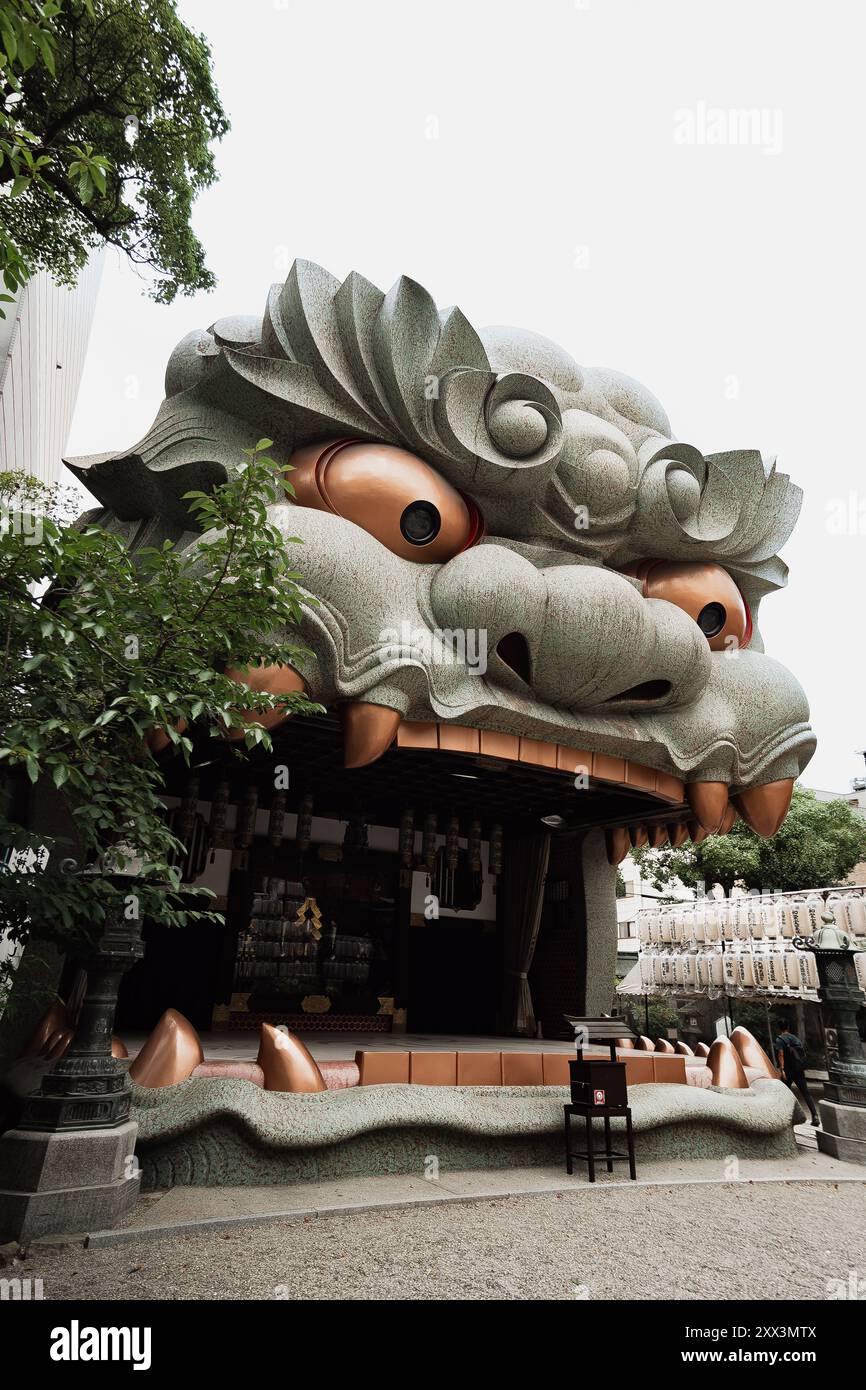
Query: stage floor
{"type": "Point", "coordinates": [339, 1047]}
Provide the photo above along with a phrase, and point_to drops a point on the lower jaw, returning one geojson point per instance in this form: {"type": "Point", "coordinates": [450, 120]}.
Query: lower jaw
{"type": "Point", "coordinates": [701, 804]}
{"type": "Point", "coordinates": [370, 729]}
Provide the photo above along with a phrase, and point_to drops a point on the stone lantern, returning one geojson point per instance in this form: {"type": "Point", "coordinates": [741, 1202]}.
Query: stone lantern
{"type": "Point", "coordinates": [843, 1109]}
{"type": "Point", "coordinates": [69, 1163]}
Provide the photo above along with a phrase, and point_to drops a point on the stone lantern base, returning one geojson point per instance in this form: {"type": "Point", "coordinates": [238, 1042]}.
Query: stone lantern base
{"type": "Point", "coordinates": [843, 1132]}
{"type": "Point", "coordinates": [66, 1182]}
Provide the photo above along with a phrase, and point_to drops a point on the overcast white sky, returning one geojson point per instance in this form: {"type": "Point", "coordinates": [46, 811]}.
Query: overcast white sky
{"type": "Point", "coordinates": [558, 165]}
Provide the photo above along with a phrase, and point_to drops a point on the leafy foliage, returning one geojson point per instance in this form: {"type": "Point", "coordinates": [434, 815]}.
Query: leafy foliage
{"type": "Point", "coordinates": [652, 1017]}
{"type": "Point", "coordinates": [99, 650]}
{"type": "Point", "coordinates": [107, 116]}
{"type": "Point", "coordinates": [817, 846]}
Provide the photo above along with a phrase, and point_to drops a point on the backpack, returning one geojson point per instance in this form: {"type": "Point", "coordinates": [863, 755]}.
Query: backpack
{"type": "Point", "coordinates": [793, 1048]}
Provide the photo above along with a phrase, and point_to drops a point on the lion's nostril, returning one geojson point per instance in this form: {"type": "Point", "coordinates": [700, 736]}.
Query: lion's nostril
{"type": "Point", "coordinates": [648, 690]}
{"type": "Point", "coordinates": [514, 651]}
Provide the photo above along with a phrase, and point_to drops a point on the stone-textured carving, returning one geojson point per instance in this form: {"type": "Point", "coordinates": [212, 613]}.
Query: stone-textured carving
{"type": "Point", "coordinates": [210, 1132]}
{"type": "Point", "coordinates": [578, 481]}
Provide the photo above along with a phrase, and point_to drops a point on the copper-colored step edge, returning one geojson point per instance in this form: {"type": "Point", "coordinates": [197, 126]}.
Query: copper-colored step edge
{"type": "Point", "coordinates": [601, 767]}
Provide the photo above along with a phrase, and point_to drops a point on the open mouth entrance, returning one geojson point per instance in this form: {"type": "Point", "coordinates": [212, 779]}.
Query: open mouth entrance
{"type": "Point", "coordinates": [382, 898]}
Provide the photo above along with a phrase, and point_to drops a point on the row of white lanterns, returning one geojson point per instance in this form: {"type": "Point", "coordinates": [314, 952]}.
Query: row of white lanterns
{"type": "Point", "coordinates": [730, 967]}
{"type": "Point", "coordinates": [750, 918]}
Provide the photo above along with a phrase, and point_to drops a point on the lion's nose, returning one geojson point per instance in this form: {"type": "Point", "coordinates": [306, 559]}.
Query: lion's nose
{"type": "Point", "coordinates": [493, 591]}
{"type": "Point", "coordinates": [581, 636]}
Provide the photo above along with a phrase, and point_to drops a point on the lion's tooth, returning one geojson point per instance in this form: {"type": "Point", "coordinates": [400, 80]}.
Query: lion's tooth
{"type": "Point", "coordinates": [54, 1021]}
{"type": "Point", "coordinates": [697, 832]}
{"type": "Point", "coordinates": [678, 834]}
{"type": "Point", "coordinates": [286, 1063]}
{"type": "Point", "coordinates": [764, 808]}
{"type": "Point", "coordinates": [58, 1046]}
{"type": "Point", "coordinates": [709, 801]}
{"type": "Point", "coordinates": [271, 680]}
{"type": "Point", "coordinates": [618, 844]}
{"type": "Point", "coordinates": [638, 836]}
{"type": "Point", "coordinates": [658, 836]}
{"type": "Point", "coordinates": [171, 1053]}
{"type": "Point", "coordinates": [157, 739]}
{"type": "Point", "coordinates": [732, 815]}
{"type": "Point", "coordinates": [367, 731]}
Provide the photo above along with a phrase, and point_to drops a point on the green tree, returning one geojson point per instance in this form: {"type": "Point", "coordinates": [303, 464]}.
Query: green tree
{"type": "Point", "coordinates": [99, 650]}
{"type": "Point", "coordinates": [107, 112]}
{"type": "Point", "coordinates": [817, 846]}
{"type": "Point", "coordinates": [652, 1017]}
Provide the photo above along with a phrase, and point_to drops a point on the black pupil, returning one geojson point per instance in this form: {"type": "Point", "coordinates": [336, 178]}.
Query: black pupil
{"type": "Point", "coordinates": [420, 523]}
{"type": "Point", "coordinates": [712, 618]}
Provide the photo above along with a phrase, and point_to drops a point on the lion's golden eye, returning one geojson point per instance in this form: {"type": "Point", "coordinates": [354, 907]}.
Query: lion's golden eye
{"type": "Point", "coordinates": [391, 493]}
{"type": "Point", "coordinates": [706, 592]}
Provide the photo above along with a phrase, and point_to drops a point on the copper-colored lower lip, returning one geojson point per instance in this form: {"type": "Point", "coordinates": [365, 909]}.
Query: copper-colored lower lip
{"type": "Point", "coordinates": [171, 1053]}
{"type": "Point", "coordinates": [726, 1067]}
{"type": "Point", "coordinates": [751, 1052]}
{"type": "Point", "coordinates": [559, 757]}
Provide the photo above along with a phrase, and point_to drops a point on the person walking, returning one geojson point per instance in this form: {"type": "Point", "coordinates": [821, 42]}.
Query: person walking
{"type": "Point", "coordinates": [791, 1058]}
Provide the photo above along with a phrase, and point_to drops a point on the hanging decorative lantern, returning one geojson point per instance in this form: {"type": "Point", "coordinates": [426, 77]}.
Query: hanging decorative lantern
{"type": "Point", "coordinates": [218, 812]}
{"type": "Point", "coordinates": [246, 828]}
{"type": "Point", "coordinates": [355, 835]}
{"type": "Point", "coordinates": [407, 839]}
{"type": "Point", "coordinates": [452, 844]}
{"type": "Point", "coordinates": [495, 859]}
{"type": "Point", "coordinates": [304, 832]}
{"type": "Point", "coordinates": [276, 819]}
{"type": "Point", "coordinates": [428, 842]}
{"type": "Point", "coordinates": [188, 810]}
{"type": "Point", "coordinates": [473, 846]}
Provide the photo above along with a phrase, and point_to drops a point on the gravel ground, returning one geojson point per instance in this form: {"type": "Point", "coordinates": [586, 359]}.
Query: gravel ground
{"type": "Point", "coordinates": [772, 1240]}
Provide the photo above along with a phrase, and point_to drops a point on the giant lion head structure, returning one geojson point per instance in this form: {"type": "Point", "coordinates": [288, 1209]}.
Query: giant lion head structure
{"type": "Point", "coordinates": [497, 538]}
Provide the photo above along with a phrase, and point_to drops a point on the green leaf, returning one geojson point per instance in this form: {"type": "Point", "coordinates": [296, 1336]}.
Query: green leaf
{"type": "Point", "coordinates": [10, 43]}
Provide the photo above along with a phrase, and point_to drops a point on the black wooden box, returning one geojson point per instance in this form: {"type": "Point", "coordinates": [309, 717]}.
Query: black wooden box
{"type": "Point", "coordinates": [597, 1081]}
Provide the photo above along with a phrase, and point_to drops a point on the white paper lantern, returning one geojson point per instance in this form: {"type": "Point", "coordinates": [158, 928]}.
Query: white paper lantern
{"type": "Point", "coordinates": [856, 914]}
{"type": "Point", "coordinates": [745, 968]}
{"type": "Point", "coordinates": [776, 969]}
{"type": "Point", "coordinates": [792, 970]}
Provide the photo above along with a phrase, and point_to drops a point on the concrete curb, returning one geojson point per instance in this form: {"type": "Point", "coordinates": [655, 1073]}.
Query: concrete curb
{"type": "Point", "coordinates": [440, 1197]}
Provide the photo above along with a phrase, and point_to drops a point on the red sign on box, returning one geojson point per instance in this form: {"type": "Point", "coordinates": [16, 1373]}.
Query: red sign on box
{"type": "Point", "coordinates": [598, 1096]}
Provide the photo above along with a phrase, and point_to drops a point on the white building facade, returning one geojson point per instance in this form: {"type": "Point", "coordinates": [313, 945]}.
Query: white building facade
{"type": "Point", "coordinates": [43, 342]}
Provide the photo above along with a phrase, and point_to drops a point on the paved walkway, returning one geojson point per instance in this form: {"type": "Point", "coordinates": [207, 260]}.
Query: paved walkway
{"type": "Point", "coordinates": [187, 1208]}
{"type": "Point", "coordinates": [681, 1240]}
